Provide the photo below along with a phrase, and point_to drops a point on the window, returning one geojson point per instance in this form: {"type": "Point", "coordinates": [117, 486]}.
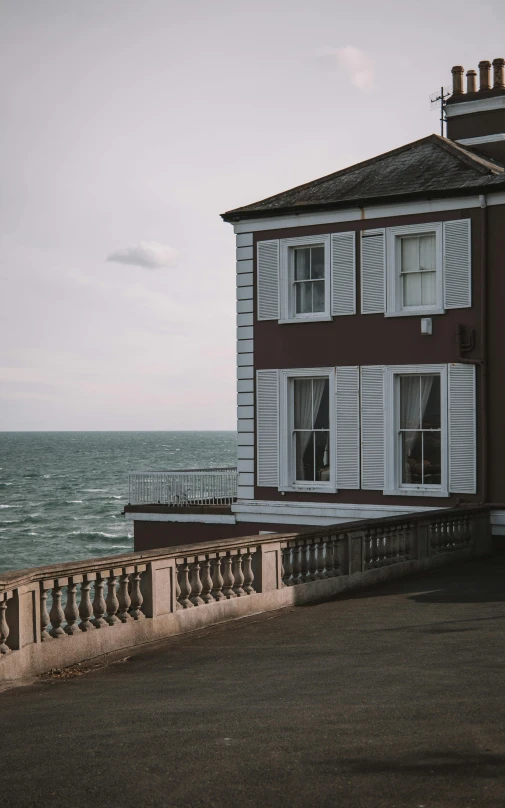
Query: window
{"type": "Point", "coordinates": [420, 431]}
{"type": "Point", "coordinates": [305, 279]}
{"type": "Point", "coordinates": [311, 429]}
{"type": "Point", "coordinates": [414, 278]}
{"type": "Point", "coordinates": [416, 430]}
{"type": "Point", "coordinates": [307, 429]}
{"type": "Point", "coordinates": [309, 279]}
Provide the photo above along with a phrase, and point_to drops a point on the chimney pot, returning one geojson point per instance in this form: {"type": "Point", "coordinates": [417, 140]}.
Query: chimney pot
{"type": "Point", "coordinates": [457, 79]}
{"type": "Point", "coordinates": [484, 70]}
{"type": "Point", "coordinates": [471, 81]}
{"type": "Point", "coordinates": [498, 77]}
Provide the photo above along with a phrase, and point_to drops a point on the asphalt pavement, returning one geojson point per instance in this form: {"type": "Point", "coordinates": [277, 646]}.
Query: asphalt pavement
{"type": "Point", "coordinates": [388, 698]}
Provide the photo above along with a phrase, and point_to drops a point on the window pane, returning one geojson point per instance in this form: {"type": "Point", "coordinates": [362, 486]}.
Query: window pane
{"type": "Point", "coordinates": [304, 447]}
{"type": "Point", "coordinates": [302, 264]}
{"type": "Point", "coordinates": [318, 296]}
{"type": "Point", "coordinates": [410, 405]}
{"type": "Point", "coordinates": [303, 403]}
{"type": "Point", "coordinates": [412, 290]}
{"type": "Point", "coordinates": [303, 297]}
{"type": "Point", "coordinates": [430, 402]}
{"type": "Point", "coordinates": [410, 254]}
{"type": "Point", "coordinates": [412, 458]}
{"type": "Point", "coordinates": [432, 458]}
{"type": "Point", "coordinates": [322, 456]}
{"type": "Point", "coordinates": [317, 268]}
{"type": "Point", "coordinates": [427, 252]}
{"type": "Point", "coordinates": [428, 288]}
{"type": "Point", "coordinates": [321, 393]}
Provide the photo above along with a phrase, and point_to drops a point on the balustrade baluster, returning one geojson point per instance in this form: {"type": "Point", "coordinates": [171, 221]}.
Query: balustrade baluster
{"type": "Point", "coordinates": [311, 561]}
{"type": "Point", "coordinates": [136, 596]}
{"type": "Point", "coordinates": [44, 616]}
{"type": "Point", "coordinates": [206, 579]}
{"type": "Point", "coordinates": [401, 543]}
{"type": "Point", "coordinates": [217, 579]}
{"type": "Point", "coordinates": [71, 610]}
{"type": "Point", "coordinates": [248, 574]}
{"type": "Point", "coordinates": [124, 600]}
{"type": "Point", "coordinates": [304, 562]}
{"type": "Point", "coordinates": [286, 566]}
{"type": "Point", "coordinates": [112, 602]}
{"type": "Point", "coordinates": [337, 546]}
{"type": "Point", "coordinates": [319, 558]}
{"type": "Point", "coordinates": [99, 606]}
{"type": "Point", "coordinates": [85, 606]}
{"type": "Point", "coordinates": [368, 547]}
{"type": "Point", "coordinates": [196, 584]}
{"type": "Point", "coordinates": [4, 627]}
{"type": "Point", "coordinates": [185, 585]}
{"type": "Point", "coordinates": [177, 588]}
{"type": "Point", "coordinates": [56, 615]}
{"type": "Point", "coordinates": [228, 578]}
{"type": "Point", "coordinates": [238, 575]}
{"type": "Point", "coordinates": [328, 571]}
{"type": "Point", "coordinates": [296, 564]}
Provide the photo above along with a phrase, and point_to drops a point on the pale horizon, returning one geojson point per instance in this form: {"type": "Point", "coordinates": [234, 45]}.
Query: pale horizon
{"type": "Point", "coordinates": [128, 128]}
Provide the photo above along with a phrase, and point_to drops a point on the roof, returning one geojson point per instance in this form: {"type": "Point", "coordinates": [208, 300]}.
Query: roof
{"type": "Point", "coordinates": [431, 167]}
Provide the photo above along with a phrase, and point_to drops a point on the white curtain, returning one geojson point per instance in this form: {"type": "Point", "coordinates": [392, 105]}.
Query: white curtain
{"type": "Point", "coordinates": [308, 395]}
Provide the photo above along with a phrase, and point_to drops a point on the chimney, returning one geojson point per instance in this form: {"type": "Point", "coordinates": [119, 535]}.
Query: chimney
{"type": "Point", "coordinates": [484, 70]}
{"type": "Point", "coordinates": [476, 119]}
{"type": "Point", "coordinates": [457, 80]}
{"type": "Point", "coordinates": [471, 81]}
{"type": "Point", "coordinates": [498, 83]}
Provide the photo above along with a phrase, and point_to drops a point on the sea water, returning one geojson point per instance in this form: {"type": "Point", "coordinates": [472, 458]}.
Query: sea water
{"type": "Point", "coordinates": [62, 493]}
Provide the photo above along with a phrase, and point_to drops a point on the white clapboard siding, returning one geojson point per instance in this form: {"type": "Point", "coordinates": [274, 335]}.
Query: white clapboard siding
{"type": "Point", "coordinates": [347, 404]}
{"type": "Point", "coordinates": [372, 427]}
{"type": "Point", "coordinates": [267, 399]}
{"type": "Point", "coordinates": [462, 438]}
{"type": "Point", "coordinates": [268, 280]}
{"type": "Point", "coordinates": [373, 271]}
{"type": "Point", "coordinates": [457, 264]}
{"type": "Point", "coordinates": [343, 273]}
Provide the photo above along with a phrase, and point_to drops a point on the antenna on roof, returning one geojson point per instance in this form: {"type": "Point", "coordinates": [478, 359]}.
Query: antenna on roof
{"type": "Point", "coordinates": [438, 100]}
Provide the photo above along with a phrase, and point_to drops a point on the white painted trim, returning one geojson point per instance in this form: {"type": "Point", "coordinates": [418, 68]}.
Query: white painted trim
{"type": "Point", "coordinates": [369, 212]}
{"type": "Point", "coordinates": [392, 486]}
{"type": "Point", "coordinates": [286, 286]}
{"type": "Point", "coordinates": [479, 105]}
{"type": "Point", "coordinates": [393, 280]}
{"type": "Point", "coordinates": [474, 141]}
{"type": "Point", "coordinates": [204, 518]}
{"type": "Point", "coordinates": [286, 482]}
{"type": "Point", "coordinates": [320, 513]}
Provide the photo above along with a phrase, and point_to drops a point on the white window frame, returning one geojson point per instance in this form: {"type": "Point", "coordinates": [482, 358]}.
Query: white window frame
{"type": "Point", "coordinates": [287, 290]}
{"type": "Point", "coordinates": [394, 296]}
{"type": "Point", "coordinates": [287, 481]}
{"type": "Point", "coordinates": [393, 483]}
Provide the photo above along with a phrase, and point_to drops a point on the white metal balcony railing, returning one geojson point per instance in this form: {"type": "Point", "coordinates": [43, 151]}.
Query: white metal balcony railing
{"type": "Point", "coordinates": [217, 486]}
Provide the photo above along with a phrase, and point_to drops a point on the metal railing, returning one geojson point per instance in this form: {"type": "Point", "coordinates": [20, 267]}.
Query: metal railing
{"type": "Point", "coordinates": [183, 488]}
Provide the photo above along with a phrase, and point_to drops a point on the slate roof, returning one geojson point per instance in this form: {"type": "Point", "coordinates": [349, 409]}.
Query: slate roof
{"type": "Point", "coordinates": [431, 167]}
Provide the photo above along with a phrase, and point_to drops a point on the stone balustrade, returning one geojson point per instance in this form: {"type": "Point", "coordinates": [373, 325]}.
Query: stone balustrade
{"type": "Point", "coordinates": [63, 614]}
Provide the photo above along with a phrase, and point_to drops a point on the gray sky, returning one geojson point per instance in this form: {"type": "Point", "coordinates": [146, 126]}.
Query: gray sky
{"type": "Point", "coordinates": [128, 126]}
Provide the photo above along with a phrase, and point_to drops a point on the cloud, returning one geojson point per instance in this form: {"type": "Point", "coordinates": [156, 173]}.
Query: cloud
{"type": "Point", "coordinates": [356, 63]}
{"type": "Point", "coordinates": [148, 254]}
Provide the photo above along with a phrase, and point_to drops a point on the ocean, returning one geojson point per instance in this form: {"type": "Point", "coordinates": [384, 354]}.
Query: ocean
{"type": "Point", "coordinates": [62, 493]}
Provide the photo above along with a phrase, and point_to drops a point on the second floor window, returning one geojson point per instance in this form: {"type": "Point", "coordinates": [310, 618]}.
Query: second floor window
{"type": "Point", "coordinates": [308, 279]}
{"type": "Point", "coordinates": [418, 270]}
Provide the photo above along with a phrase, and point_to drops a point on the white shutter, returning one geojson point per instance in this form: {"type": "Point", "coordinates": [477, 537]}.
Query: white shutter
{"type": "Point", "coordinates": [462, 442]}
{"type": "Point", "coordinates": [347, 405]}
{"type": "Point", "coordinates": [373, 271]}
{"type": "Point", "coordinates": [268, 280]}
{"type": "Point", "coordinates": [372, 427]}
{"type": "Point", "coordinates": [267, 393]}
{"type": "Point", "coordinates": [457, 264]}
{"type": "Point", "coordinates": [343, 273]}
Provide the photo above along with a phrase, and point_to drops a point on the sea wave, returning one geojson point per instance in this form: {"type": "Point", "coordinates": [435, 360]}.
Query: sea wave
{"type": "Point", "coordinates": [72, 501]}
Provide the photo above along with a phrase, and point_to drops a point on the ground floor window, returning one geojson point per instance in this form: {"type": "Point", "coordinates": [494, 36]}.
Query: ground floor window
{"type": "Point", "coordinates": [311, 429]}
{"type": "Point", "coordinates": [420, 431]}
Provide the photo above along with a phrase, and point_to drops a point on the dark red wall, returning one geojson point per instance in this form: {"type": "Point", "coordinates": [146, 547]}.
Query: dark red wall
{"type": "Point", "coordinates": [151, 535]}
{"type": "Point", "coordinates": [370, 339]}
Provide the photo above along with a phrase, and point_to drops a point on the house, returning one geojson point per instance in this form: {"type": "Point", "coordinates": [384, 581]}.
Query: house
{"type": "Point", "coordinates": [370, 344]}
